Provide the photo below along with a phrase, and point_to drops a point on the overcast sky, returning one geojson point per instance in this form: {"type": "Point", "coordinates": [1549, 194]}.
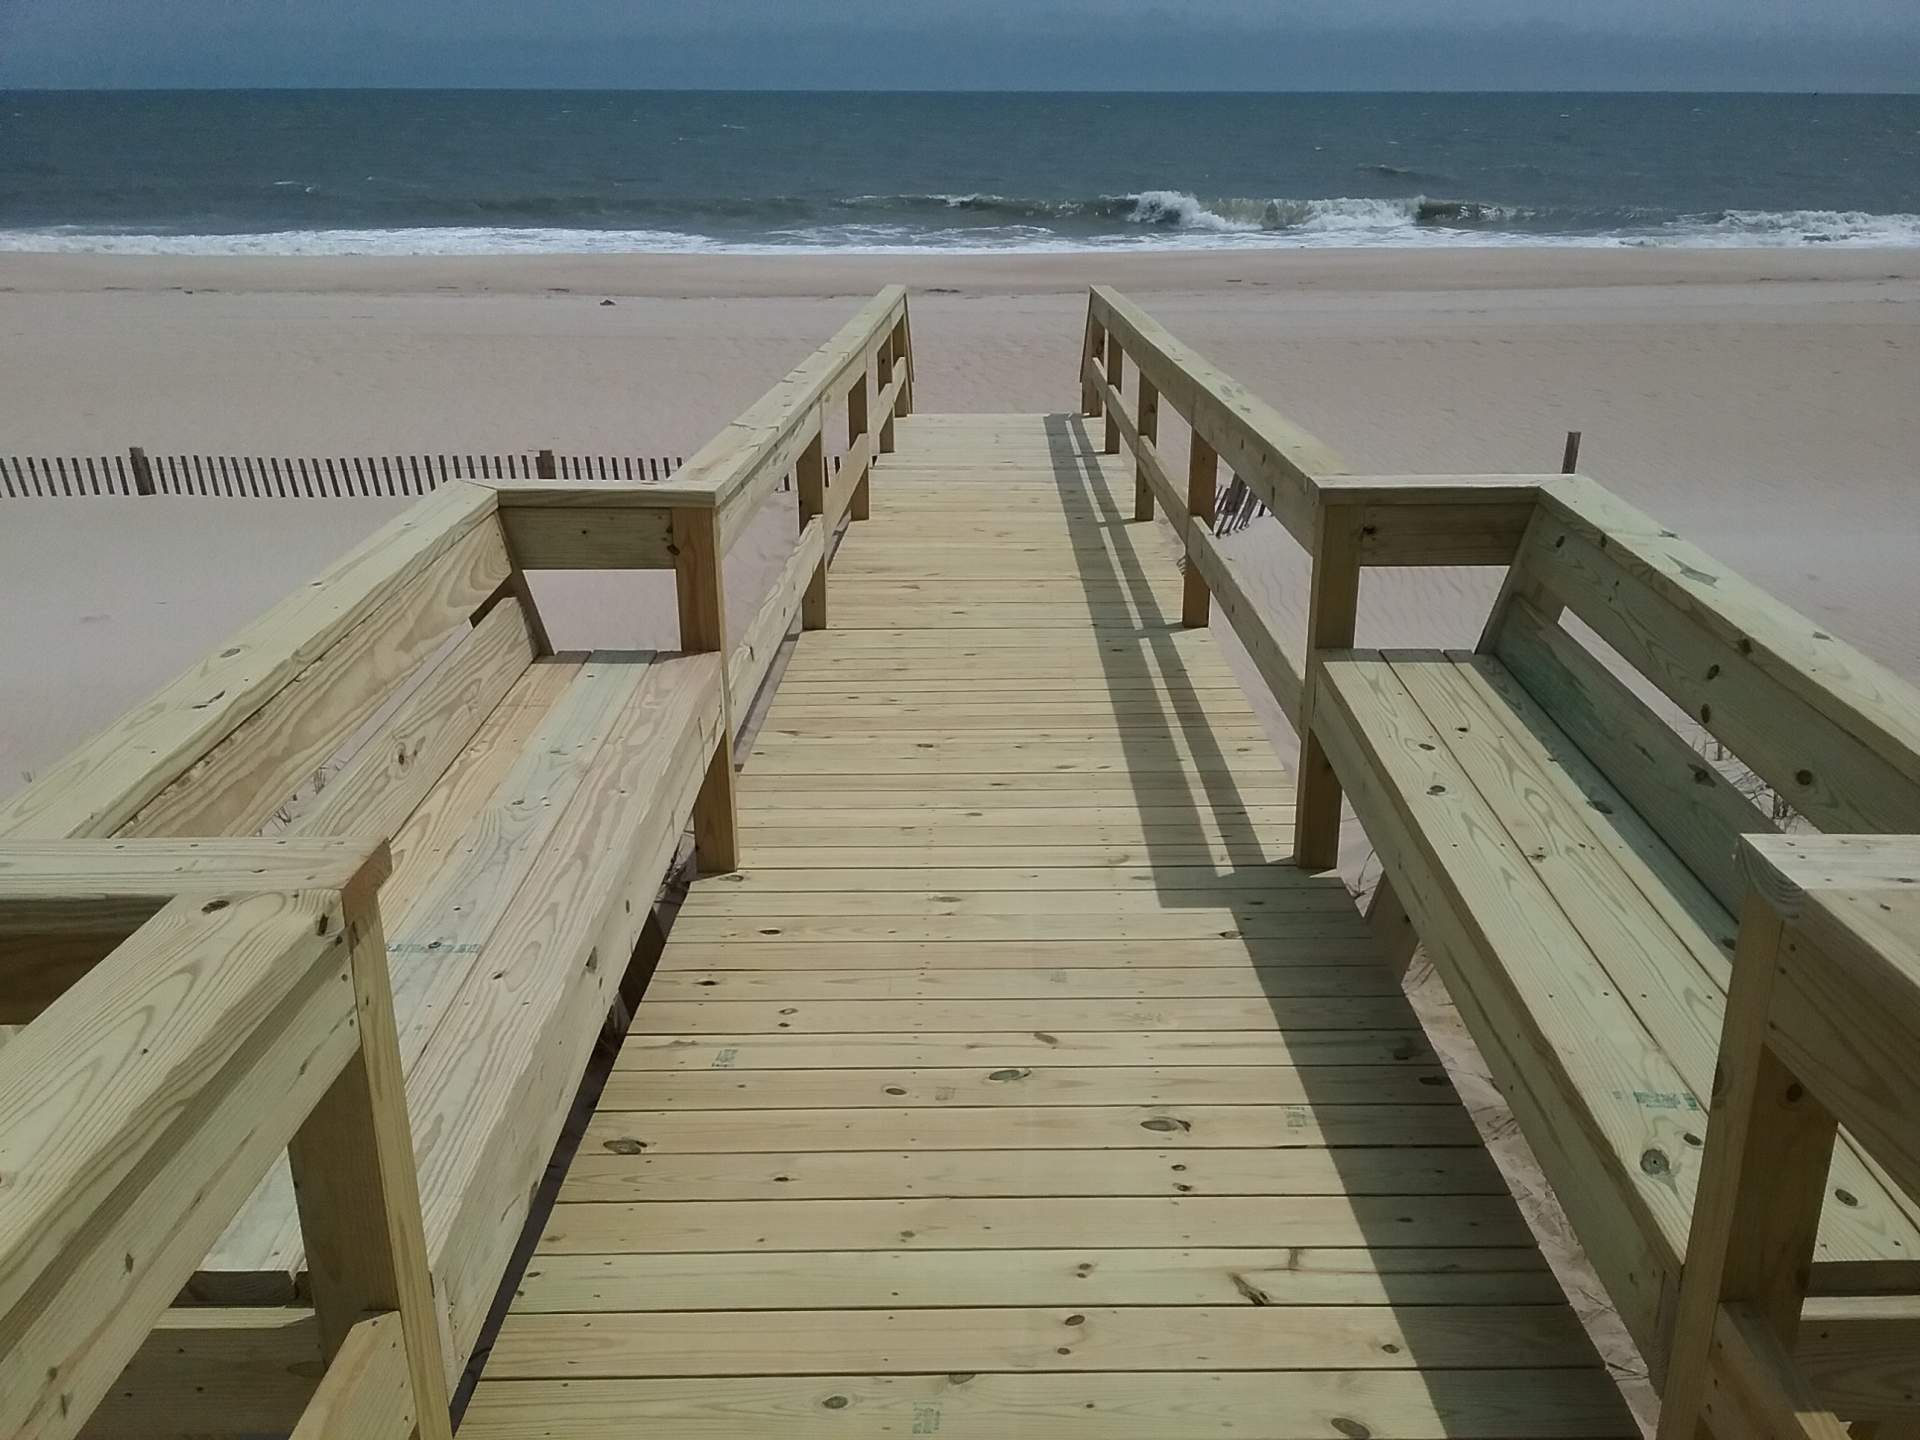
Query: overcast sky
{"type": "Point", "coordinates": [969, 44]}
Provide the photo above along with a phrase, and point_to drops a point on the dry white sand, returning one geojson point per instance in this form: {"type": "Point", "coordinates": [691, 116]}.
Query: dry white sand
{"type": "Point", "coordinates": [1762, 402]}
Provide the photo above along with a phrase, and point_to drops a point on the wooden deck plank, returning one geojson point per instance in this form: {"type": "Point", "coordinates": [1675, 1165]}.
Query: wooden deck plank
{"type": "Point", "coordinates": [1124, 1222]}
{"type": "Point", "coordinates": [1092, 1276]}
{"type": "Point", "coordinates": [1018, 1083]}
{"type": "Point", "coordinates": [905, 1342]}
{"type": "Point", "coordinates": [1054, 1128]}
{"type": "Point", "coordinates": [1103, 983]}
{"type": "Point", "coordinates": [1274, 1405]}
{"type": "Point", "coordinates": [979, 1174]}
{"type": "Point", "coordinates": [1405, 1044]}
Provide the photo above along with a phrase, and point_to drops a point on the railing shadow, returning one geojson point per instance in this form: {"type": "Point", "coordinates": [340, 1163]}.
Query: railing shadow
{"type": "Point", "coordinates": [1471, 1241]}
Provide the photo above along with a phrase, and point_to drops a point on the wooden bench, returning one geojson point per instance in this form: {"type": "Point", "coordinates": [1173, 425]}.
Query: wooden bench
{"type": "Point", "coordinates": [1569, 860]}
{"type": "Point", "coordinates": [534, 801]}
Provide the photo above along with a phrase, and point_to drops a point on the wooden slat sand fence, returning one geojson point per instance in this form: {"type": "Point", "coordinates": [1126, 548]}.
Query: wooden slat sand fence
{"type": "Point", "coordinates": [278, 477]}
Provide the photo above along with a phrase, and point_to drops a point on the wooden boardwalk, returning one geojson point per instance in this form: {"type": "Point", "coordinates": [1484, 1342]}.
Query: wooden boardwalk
{"type": "Point", "coordinates": [1018, 1085]}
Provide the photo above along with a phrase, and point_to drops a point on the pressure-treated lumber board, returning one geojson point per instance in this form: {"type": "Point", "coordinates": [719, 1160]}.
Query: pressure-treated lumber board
{"type": "Point", "coordinates": [861, 1104]}
{"type": "Point", "coordinates": [100, 785]}
{"type": "Point", "coordinates": [1094, 787]}
{"type": "Point", "coordinates": [208, 1370]}
{"type": "Point", "coordinates": [888, 757]}
{"type": "Point", "coordinates": [492, 1089]}
{"type": "Point", "coordinates": [65, 904]}
{"type": "Point", "coordinates": [365, 1393]}
{"type": "Point", "coordinates": [435, 944]}
{"type": "Point", "coordinates": [384, 783]}
{"type": "Point", "coordinates": [1692, 806]}
{"type": "Point", "coordinates": [426, 839]}
{"type": "Point", "coordinates": [1283, 1405]}
{"type": "Point", "coordinates": [1000, 1339]}
{"type": "Point", "coordinates": [578, 537]}
{"type": "Point", "coordinates": [741, 1050]}
{"type": "Point", "coordinates": [1083, 1276]}
{"type": "Point", "coordinates": [1026, 1086]}
{"type": "Point", "coordinates": [753, 656]}
{"type": "Point", "coordinates": [128, 1157]}
{"type": "Point", "coordinates": [1549, 1036]}
{"type": "Point", "coordinates": [867, 1174]}
{"type": "Point", "coordinates": [1027, 1223]}
{"type": "Point", "coordinates": [1151, 925]}
{"type": "Point", "coordinates": [677, 1017]}
{"type": "Point", "coordinates": [1277, 459]}
{"type": "Point", "coordinates": [1010, 849]}
{"type": "Point", "coordinates": [1001, 984]}
{"type": "Point", "coordinates": [965, 900]}
{"type": "Point", "coordinates": [1674, 970]}
{"type": "Point", "coordinates": [1670, 969]}
{"type": "Point", "coordinates": [1349, 948]}
{"type": "Point", "coordinates": [1053, 1128]}
{"type": "Point", "coordinates": [239, 783]}
{"type": "Point", "coordinates": [64, 875]}
{"type": "Point", "coordinates": [1190, 883]}
{"type": "Point", "coordinates": [1833, 732]}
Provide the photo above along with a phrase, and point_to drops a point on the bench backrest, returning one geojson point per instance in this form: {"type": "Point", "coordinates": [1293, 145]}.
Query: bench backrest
{"type": "Point", "coordinates": [218, 750]}
{"type": "Point", "coordinates": [1835, 735]}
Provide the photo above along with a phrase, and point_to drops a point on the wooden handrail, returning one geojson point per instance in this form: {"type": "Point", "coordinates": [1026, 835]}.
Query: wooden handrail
{"type": "Point", "coordinates": [1278, 460]}
{"type": "Point", "coordinates": [1346, 522]}
{"type": "Point", "coordinates": [741, 465]}
{"type": "Point", "coordinates": [252, 1011]}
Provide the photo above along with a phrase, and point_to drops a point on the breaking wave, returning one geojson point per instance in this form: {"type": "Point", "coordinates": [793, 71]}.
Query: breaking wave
{"type": "Point", "coordinates": [908, 223]}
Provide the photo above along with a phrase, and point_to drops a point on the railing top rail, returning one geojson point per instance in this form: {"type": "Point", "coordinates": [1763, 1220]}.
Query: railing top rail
{"type": "Point", "coordinates": [1278, 459]}
{"type": "Point", "coordinates": [771, 430]}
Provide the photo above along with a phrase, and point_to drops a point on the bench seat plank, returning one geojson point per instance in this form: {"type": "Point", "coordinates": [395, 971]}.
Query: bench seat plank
{"type": "Point", "coordinates": [490, 1092]}
{"type": "Point", "coordinates": [439, 936]}
{"type": "Point", "coordinates": [258, 1256]}
{"type": "Point", "coordinates": [1654, 931]}
{"type": "Point", "coordinates": [1515, 893]}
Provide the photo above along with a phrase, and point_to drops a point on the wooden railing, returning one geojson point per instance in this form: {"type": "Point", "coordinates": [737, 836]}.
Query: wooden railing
{"type": "Point", "coordinates": [245, 1009]}
{"type": "Point", "coordinates": [689, 522]}
{"type": "Point", "coordinates": [275, 477]}
{"type": "Point", "coordinates": [1823, 1022]}
{"type": "Point", "coordinates": [1345, 522]}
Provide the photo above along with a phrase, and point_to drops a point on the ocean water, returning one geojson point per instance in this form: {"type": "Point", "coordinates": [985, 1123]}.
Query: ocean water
{"type": "Point", "coordinates": [455, 172]}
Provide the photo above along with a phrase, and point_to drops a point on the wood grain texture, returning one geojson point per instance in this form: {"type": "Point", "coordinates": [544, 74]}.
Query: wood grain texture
{"type": "Point", "coordinates": [1017, 1046]}
{"type": "Point", "coordinates": [103, 783]}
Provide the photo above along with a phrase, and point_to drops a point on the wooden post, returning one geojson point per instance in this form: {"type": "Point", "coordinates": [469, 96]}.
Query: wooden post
{"type": "Point", "coordinates": [1147, 416]}
{"type": "Point", "coordinates": [357, 1191]}
{"type": "Point", "coordinates": [1392, 926]}
{"type": "Point", "coordinates": [142, 470]}
{"type": "Point", "coordinates": [1091, 404]}
{"type": "Point", "coordinates": [903, 352]}
{"type": "Point", "coordinates": [1203, 470]}
{"type": "Point", "coordinates": [883, 360]}
{"type": "Point", "coordinates": [1114, 368]}
{"type": "Point", "coordinates": [1763, 1181]}
{"type": "Point", "coordinates": [810, 483]}
{"type": "Point", "coordinates": [701, 587]}
{"type": "Point", "coordinates": [1331, 617]}
{"type": "Point", "coordinates": [856, 427]}
{"type": "Point", "coordinates": [1570, 457]}
{"type": "Point", "coordinates": [544, 467]}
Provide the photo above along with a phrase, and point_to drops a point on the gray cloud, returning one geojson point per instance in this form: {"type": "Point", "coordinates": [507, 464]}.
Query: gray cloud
{"type": "Point", "coordinates": [968, 44]}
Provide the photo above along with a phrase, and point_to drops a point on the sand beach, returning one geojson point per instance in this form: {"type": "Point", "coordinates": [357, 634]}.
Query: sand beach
{"type": "Point", "coordinates": [1761, 401]}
